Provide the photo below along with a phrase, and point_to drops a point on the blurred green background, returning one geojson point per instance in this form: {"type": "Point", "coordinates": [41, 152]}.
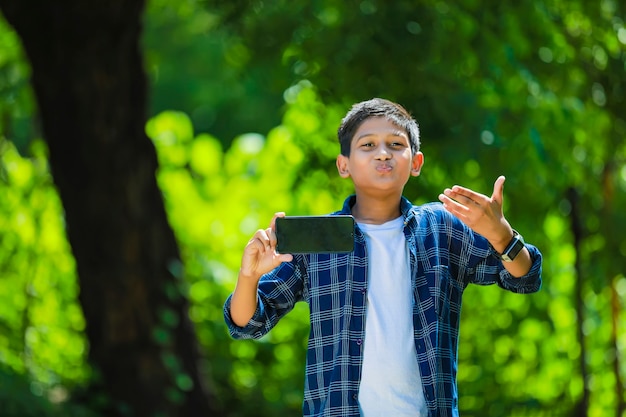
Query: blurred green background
{"type": "Point", "coordinates": [245, 99]}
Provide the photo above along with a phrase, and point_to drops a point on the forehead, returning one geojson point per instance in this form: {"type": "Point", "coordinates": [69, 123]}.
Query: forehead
{"type": "Point", "coordinates": [378, 126]}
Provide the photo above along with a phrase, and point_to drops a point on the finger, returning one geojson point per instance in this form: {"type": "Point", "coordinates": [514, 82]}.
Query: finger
{"type": "Point", "coordinates": [255, 249]}
{"type": "Point", "coordinates": [498, 189]}
{"type": "Point", "coordinates": [460, 198]}
{"type": "Point", "coordinates": [273, 222]}
{"type": "Point", "coordinates": [454, 206]}
{"type": "Point", "coordinates": [285, 257]}
{"type": "Point", "coordinates": [272, 229]}
{"type": "Point", "coordinates": [263, 238]}
{"type": "Point", "coordinates": [470, 195]}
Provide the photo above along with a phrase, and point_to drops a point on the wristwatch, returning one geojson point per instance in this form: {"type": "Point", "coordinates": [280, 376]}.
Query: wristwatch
{"type": "Point", "coordinates": [513, 248]}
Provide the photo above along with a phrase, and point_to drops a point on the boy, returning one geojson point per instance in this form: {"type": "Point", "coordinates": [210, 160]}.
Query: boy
{"type": "Point", "coordinates": [385, 317]}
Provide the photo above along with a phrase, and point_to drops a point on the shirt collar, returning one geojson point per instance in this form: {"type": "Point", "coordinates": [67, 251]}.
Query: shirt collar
{"type": "Point", "coordinates": [405, 207]}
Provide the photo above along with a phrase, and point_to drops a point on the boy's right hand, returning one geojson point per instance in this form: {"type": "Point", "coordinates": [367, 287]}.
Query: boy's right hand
{"type": "Point", "coordinates": [259, 255]}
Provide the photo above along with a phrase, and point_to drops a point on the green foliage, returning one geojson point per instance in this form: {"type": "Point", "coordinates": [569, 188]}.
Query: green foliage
{"type": "Point", "coordinates": [19, 397]}
{"type": "Point", "coordinates": [196, 67]}
{"type": "Point", "coordinates": [531, 90]}
{"type": "Point", "coordinates": [41, 321]}
{"type": "Point", "coordinates": [16, 100]}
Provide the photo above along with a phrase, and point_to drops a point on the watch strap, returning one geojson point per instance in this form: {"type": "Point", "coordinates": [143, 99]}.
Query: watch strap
{"type": "Point", "coordinates": [513, 248]}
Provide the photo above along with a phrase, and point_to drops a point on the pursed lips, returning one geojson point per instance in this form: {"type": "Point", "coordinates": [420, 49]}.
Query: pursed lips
{"type": "Point", "coordinates": [384, 167]}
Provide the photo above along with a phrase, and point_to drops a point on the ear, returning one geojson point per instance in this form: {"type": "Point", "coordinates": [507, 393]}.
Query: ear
{"type": "Point", "coordinates": [342, 166]}
{"type": "Point", "coordinates": [416, 164]}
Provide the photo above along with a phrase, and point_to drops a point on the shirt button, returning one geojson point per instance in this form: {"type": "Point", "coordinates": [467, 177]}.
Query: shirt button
{"type": "Point", "coordinates": [363, 291]}
{"type": "Point", "coordinates": [359, 342]}
{"type": "Point", "coordinates": [355, 397]}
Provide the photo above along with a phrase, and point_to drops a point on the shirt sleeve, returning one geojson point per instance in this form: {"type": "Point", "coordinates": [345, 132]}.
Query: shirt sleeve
{"type": "Point", "coordinates": [478, 263]}
{"type": "Point", "coordinates": [277, 294]}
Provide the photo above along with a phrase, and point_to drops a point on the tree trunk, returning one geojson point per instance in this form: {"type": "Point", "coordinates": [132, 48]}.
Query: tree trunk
{"type": "Point", "coordinates": [582, 406]}
{"type": "Point", "coordinates": [88, 79]}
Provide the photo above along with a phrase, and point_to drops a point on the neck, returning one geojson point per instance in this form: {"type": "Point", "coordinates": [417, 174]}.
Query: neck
{"type": "Point", "coordinates": [375, 211]}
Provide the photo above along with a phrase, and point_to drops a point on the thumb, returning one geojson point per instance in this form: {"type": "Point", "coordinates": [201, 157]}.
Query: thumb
{"type": "Point", "coordinates": [285, 257]}
{"type": "Point", "coordinates": [498, 189]}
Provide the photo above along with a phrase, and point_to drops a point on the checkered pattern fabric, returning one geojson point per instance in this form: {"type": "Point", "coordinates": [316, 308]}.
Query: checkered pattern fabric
{"type": "Point", "coordinates": [445, 257]}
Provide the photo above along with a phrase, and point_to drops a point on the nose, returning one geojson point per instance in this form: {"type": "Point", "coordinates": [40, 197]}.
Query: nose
{"type": "Point", "coordinates": [383, 153]}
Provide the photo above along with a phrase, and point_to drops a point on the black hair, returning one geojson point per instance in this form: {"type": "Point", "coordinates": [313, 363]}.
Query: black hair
{"type": "Point", "coordinates": [377, 107]}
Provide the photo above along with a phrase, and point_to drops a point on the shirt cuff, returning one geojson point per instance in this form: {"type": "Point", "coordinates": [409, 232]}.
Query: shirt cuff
{"type": "Point", "coordinates": [529, 283]}
{"type": "Point", "coordinates": [252, 330]}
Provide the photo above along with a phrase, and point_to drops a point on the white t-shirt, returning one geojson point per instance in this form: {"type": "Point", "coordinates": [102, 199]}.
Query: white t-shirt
{"type": "Point", "coordinates": [390, 381]}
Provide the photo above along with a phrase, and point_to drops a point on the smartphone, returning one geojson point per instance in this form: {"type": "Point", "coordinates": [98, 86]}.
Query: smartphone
{"type": "Point", "coordinates": [315, 234]}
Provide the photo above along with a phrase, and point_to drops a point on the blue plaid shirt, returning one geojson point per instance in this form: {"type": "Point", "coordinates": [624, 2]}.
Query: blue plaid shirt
{"type": "Point", "coordinates": [445, 256]}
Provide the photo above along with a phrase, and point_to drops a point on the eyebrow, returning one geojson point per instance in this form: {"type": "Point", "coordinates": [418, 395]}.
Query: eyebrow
{"type": "Point", "coordinates": [397, 133]}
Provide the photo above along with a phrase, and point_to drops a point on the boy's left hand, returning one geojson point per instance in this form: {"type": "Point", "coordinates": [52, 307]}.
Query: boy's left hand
{"type": "Point", "coordinates": [481, 213]}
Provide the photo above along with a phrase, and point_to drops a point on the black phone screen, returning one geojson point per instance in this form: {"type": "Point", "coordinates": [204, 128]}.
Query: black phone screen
{"type": "Point", "coordinates": [315, 234]}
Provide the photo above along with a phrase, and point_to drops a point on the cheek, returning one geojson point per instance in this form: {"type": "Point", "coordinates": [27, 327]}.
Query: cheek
{"type": "Point", "coordinates": [358, 162]}
{"type": "Point", "coordinates": [404, 158]}
{"type": "Point", "coordinates": [408, 154]}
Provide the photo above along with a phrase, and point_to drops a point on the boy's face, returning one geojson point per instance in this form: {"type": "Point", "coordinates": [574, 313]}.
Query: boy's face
{"type": "Point", "coordinates": [380, 158]}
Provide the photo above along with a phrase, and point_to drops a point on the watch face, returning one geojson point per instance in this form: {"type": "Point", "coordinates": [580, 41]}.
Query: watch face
{"type": "Point", "coordinates": [510, 254]}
